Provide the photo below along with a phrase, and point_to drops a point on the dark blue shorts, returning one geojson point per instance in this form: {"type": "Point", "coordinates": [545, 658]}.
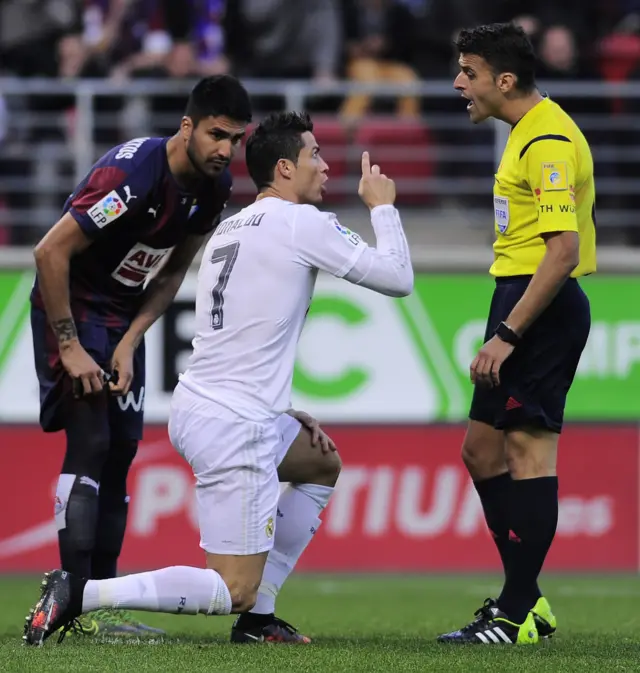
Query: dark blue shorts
{"type": "Point", "coordinates": [126, 414]}
{"type": "Point", "coordinates": [535, 379]}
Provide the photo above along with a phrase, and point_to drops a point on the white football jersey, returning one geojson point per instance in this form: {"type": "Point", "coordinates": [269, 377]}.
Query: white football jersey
{"type": "Point", "coordinates": [255, 284]}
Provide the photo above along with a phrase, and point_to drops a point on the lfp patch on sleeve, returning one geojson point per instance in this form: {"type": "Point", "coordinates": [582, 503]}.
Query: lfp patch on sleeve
{"type": "Point", "coordinates": [352, 237]}
{"type": "Point", "coordinates": [554, 177]}
{"type": "Point", "coordinates": [110, 208]}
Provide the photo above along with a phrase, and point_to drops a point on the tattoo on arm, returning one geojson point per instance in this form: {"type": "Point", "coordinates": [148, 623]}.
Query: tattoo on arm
{"type": "Point", "coordinates": [65, 330]}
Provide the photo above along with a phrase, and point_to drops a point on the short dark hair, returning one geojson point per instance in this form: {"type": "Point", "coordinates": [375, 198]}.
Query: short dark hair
{"type": "Point", "coordinates": [505, 47]}
{"type": "Point", "coordinates": [278, 136]}
{"type": "Point", "coordinates": [219, 96]}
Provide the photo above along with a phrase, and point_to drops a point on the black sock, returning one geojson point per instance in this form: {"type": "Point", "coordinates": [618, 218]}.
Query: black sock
{"type": "Point", "coordinates": [77, 538]}
{"type": "Point", "coordinates": [112, 523]}
{"type": "Point", "coordinates": [495, 495]}
{"type": "Point", "coordinates": [533, 523]}
{"type": "Point", "coordinates": [251, 620]}
{"type": "Point", "coordinates": [77, 594]}
{"type": "Point", "coordinates": [87, 430]}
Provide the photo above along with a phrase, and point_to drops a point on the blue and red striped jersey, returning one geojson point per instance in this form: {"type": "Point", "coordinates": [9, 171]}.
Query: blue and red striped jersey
{"type": "Point", "coordinates": [134, 212]}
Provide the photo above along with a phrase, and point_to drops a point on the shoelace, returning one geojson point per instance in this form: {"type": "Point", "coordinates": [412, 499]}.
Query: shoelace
{"type": "Point", "coordinates": [482, 614]}
{"type": "Point", "coordinates": [74, 625]}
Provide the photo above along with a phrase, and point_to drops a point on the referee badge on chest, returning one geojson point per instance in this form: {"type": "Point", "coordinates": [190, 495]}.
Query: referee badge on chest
{"type": "Point", "coordinates": [501, 210]}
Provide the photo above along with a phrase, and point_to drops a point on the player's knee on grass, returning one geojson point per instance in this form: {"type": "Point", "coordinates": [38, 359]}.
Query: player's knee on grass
{"type": "Point", "coordinates": [307, 464]}
{"type": "Point", "coordinates": [531, 452]}
{"type": "Point", "coordinates": [483, 451]}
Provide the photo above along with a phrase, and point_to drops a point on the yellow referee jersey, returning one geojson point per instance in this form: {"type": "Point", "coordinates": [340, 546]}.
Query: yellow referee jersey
{"type": "Point", "coordinates": [544, 184]}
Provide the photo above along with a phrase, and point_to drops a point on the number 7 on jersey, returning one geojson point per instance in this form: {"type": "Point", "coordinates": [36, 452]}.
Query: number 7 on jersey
{"type": "Point", "coordinates": [227, 254]}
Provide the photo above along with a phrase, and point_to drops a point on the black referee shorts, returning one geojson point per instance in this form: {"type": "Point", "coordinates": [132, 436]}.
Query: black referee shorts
{"type": "Point", "coordinates": [535, 379]}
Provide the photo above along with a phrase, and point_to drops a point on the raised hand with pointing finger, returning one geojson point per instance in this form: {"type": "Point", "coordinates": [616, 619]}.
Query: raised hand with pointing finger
{"type": "Point", "coordinates": [375, 188]}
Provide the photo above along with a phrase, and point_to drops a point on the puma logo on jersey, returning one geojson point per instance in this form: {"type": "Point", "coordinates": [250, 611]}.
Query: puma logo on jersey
{"type": "Point", "coordinates": [154, 211]}
{"type": "Point", "coordinates": [138, 263]}
{"type": "Point", "coordinates": [128, 194]}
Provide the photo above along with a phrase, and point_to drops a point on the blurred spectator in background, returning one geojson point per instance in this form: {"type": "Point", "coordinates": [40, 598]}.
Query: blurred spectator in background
{"type": "Point", "coordinates": [30, 31]}
{"type": "Point", "coordinates": [559, 31]}
{"type": "Point", "coordinates": [284, 38]}
{"type": "Point", "coordinates": [208, 36]}
{"type": "Point", "coordinates": [437, 23]}
{"type": "Point", "coordinates": [380, 48]}
{"type": "Point", "coordinates": [126, 37]}
{"type": "Point", "coordinates": [559, 55]}
{"type": "Point", "coordinates": [196, 40]}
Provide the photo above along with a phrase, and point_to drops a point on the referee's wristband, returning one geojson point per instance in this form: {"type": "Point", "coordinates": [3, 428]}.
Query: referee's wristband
{"type": "Point", "coordinates": [506, 334]}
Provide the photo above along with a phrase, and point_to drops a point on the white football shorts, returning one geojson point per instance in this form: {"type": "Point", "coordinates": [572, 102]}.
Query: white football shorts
{"type": "Point", "coordinates": [235, 463]}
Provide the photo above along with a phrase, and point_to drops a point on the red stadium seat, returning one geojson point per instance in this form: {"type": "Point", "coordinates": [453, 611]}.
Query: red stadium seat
{"type": "Point", "coordinates": [401, 149]}
{"type": "Point", "coordinates": [619, 57]}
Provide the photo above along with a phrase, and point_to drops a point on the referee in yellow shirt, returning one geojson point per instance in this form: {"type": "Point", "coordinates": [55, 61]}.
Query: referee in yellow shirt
{"type": "Point", "coordinates": [539, 321]}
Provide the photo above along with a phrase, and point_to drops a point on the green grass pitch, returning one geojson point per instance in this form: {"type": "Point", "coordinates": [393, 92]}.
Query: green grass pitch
{"type": "Point", "coordinates": [359, 623]}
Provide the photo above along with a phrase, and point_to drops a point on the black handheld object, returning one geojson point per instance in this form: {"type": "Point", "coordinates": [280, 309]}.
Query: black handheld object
{"type": "Point", "coordinates": [78, 388]}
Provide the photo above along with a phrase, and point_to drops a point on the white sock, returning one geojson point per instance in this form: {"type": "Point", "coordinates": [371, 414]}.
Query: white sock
{"type": "Point", "coordinates": [178, 590]}
{"type": "Point", "coordinates": [298, 510]}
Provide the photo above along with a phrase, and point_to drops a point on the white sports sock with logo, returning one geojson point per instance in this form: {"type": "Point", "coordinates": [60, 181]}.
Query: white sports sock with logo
{"type": "Point", "coordinates": [177, 590]}
{"type": "Point", "coordinates": [297, 521]}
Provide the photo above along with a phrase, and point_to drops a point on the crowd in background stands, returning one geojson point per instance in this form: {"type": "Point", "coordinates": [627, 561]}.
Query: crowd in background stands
{"type": "Point", "coordinates": [319, 40]}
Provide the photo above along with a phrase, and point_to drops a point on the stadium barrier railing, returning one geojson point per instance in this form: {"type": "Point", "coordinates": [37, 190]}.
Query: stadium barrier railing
{"type": "Point", "coordinates": [56, 129]}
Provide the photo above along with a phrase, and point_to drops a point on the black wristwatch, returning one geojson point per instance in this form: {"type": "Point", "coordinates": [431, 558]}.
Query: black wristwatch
{"type": "Point", "coordinates": [506, 334]}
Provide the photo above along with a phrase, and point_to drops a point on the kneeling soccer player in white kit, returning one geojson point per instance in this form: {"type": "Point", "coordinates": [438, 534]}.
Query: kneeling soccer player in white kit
{"type": "Point", "coordinates": [229, 411]}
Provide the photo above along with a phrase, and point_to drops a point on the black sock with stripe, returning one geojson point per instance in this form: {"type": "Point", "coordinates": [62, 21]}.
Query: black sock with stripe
{"type": "Point", "coordinates": [533, 521]}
